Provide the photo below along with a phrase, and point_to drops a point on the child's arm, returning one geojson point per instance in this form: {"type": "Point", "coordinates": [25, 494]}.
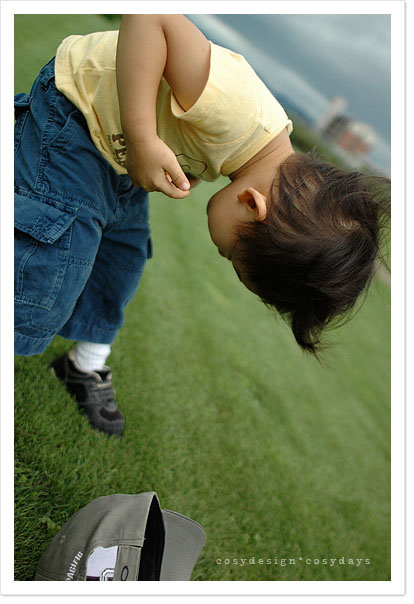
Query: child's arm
{"type": "Point", "coordinates": [149, 47]}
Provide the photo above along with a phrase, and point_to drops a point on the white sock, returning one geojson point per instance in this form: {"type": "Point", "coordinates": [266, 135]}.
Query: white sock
{"type": "Point", "coordinates": [90, 356]}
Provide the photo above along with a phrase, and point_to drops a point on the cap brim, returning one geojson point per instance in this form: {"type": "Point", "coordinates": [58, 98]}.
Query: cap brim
{"type": "Point", "coordinates": [184, 541]}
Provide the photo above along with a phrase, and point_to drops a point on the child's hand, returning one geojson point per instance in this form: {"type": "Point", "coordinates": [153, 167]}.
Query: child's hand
{"type": "Point", "coordinates": [152, 165]}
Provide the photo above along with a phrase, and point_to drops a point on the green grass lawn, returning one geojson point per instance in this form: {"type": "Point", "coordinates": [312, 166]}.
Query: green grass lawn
{"type": "Point", "coordinates": [227, 420]}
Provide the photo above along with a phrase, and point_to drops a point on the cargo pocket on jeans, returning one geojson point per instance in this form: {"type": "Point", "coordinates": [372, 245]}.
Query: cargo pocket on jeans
{"type": "Point", "coordinates": [42, 246]}
{"type": "Point", "coordinates": [21, 109]}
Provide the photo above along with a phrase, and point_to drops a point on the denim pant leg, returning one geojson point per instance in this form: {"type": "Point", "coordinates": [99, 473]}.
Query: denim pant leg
{"type": "Point", "coordinates": [123, 251]}
{"type": "Point", "coordinates": [67, 198]}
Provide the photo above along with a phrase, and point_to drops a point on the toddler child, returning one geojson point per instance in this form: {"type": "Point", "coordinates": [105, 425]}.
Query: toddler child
{"type": "Point", "coordinates": [157, 107]}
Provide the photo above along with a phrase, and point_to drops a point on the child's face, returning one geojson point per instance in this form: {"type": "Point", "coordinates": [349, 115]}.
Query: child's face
{"type": "Point", "coordinates": [222, 224]}
{"type": "Point", "coordinates": [245, 198]}
{"type": "Point", "coordinates": [226, 211]}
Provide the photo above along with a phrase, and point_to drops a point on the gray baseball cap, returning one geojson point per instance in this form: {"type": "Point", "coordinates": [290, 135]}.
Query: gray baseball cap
{"type": "Point", "coordinates": [123, 538]}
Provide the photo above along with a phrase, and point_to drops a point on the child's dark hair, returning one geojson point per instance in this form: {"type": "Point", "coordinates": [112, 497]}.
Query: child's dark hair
{"type": "Point", "coordinates": [314, 253]}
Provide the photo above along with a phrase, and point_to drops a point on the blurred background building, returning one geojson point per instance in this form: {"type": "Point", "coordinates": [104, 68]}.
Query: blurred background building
{"type": "Point", "coordinates": [335, 109]}
{"type": "Point", "coordinates": [354, 140]}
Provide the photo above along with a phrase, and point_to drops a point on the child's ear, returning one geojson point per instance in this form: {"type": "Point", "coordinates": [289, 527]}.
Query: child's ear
{"type": "Point", "coordinates": [255, 203]}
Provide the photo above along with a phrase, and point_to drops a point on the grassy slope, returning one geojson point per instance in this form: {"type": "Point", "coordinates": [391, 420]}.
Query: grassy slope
{"type": "Point", "coordinates": [227, 421]}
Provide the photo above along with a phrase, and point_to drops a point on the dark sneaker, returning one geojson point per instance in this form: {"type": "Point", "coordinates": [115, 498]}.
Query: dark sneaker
{"type": "Point", "coordinates": [93, 392]}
